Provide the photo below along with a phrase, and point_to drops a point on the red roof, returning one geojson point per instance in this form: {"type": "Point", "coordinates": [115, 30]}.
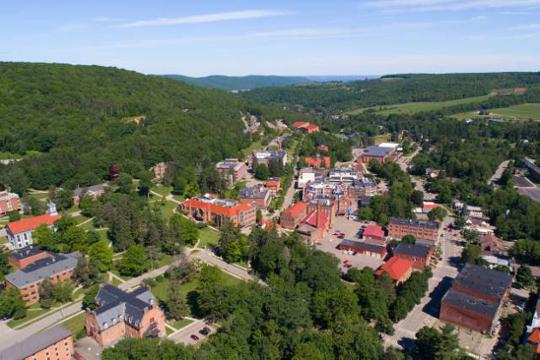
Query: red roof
{"type": "Point", "coordinates": [396, 268]}
{"type": "Point", "coordinates": [32, 223]}
{"type": "Point", "coordinates": [318, 219]}
{"type": "Point", "coordinates": [296, 210]}
{"type": "Point", "coordinates": [319, 161]}
{"type": "Point", "coordinates": [374, 231]}
{"type": "Point", "coordinates": [217, 209]}
{"type": "Point", "coordinates": [535, 336]}
{"type": "Point", "coordinates": [300, 124]}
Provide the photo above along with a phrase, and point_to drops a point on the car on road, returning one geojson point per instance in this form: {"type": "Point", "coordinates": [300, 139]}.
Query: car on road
{"type": "Point", "coordinates": [194, 337]}
{"type": "Point", "coordinates": [205, 331]}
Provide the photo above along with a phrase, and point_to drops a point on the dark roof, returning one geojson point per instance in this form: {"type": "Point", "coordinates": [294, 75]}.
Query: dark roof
{"type": "Point", "coordinates": [35, 343]}
{"type": "Point", "coordinates": [412, 250]}
{"type": "Point", "coordinates": [118, 305]}
{"type": "Point", "coordinates": [378, 151]}
{"type": "Point", "coordinates": [362, 246]}
{"type": "Point", "coordinates": [456, 298]}
{"type": "Point", "coordinates": [413, 222]}
{"type": "Point", "coordinates": [79, 191]}
{"type": "Point", "coordinates": [26, 252]}
{"type": "Point", "coordinates": [486, 281]}
{"type": "Point", "coordinates": [254, 192]}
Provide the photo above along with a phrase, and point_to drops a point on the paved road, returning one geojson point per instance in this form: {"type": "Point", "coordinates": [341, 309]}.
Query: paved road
{"type": "Point", "coordinates": [183, 335]}
{"type": "Point", "coordinates": [236, 271]}
{"type": "Point", "coordinates": [404, 161]}
{"type": "Point", "coordinates": [498, 173]}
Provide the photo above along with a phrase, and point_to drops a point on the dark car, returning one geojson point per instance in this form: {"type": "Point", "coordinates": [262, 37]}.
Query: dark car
{"type": "Point", "coordinates": [194, 337]}
{"type": "Point", "coordinates": [204, 331]}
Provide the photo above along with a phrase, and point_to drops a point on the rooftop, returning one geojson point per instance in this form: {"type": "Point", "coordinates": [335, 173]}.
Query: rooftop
{"type": "Point", "coordinates": [296, 209]}
{"type": "Point", "coordinates": [396, 268]}
{"type": "Point", "coordinates": [462, 300]}
{"type": "Point", "coordinates": [412, 250]}
{"type": "Point", "coordinates": [363, 246]}
{"type": "Point", "coordinates": [35, 343]}
{"type": "Point", "coordinates": [378, 151]}
{"type": "Point", "coordinates": [254, 192]}
{"type": "Point", "coordinates": [413, 222]}
{"type": "Point", "coordinates": [30, 224]}
{"type": "Point", "coordinates": [486, 281]}
{"type": "Point", "coordinates": [26, 252]}
{"type": "Point", "coordinates": [79, 191]}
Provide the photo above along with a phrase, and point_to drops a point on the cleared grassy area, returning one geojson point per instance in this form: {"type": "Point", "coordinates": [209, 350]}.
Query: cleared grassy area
{"type": "Point", "coordinates": [167, 208]}
{"type": "Point", "coordinates": [178, 324]}
{"type": "Point", "coordinates": [76, 325]}
{"type": "Point", "coordinates": [379, 139]}
{"type": "Point", "coordinates": [413, 107]}
{"type": "Point", "coordinates": [516, 112]}
{"type": "Point", "coordinates": [208, 237]}
{"type": "Point", "coordinates": [254, 146]}
{"type": "Point", "coordinates": [162, 190]}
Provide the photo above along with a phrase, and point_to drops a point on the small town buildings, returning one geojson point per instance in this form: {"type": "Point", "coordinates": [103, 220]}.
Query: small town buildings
{"type": "Point", "coordinates": [424, 231]}
{"type": "Point", "coordinates": [19, 233]}
{"type": "Point", "coordinates": [324, 148]}
{"type": "Point", "coordinates": [55, 343]}
{"type": "Point", "coordinates": [377, 251]}
{"type": "Point", "coordinates": [232, 171]}
{"type": "Point", "coordinates": [21, 258]}
{"type": "Point", "coordinates": [378, 153]}
{"type": "Point", "coordinates": [534, 170]}
{"type": "Point", "coordinates": [427, 206]}
{"type": "Point", "coordinates": [305, 176]}
{"type": "Point", "coordinates": [479, 225]}
{"type": "Point", "coordinates": [492, 245]}
{"type": "Point", "coordinates": [419, 255]}
{"type": "Point", "coordinates": [343, 175]}
{"type": "Point", "coordinates": [475, 212]}
{"type": "Point", "coordinates": [57, 268]}
{"type": "Point", "coordinates": [475, 298]}
{"type": "Point", "coordinates": [398, 269]}
{"type": "Point", "coordinates": [94, 191]}
{"type": "Point", "coordinates": [9, 202]}
{"type": "Point", "coordinates": [257, 195]}
{"type": "Point", "coordinates": [211, 209]}
{"type": "Point", "coordinates": [293, 215]}
{"type": "Point", "coordinates": [319, 161]}
{"type": "Point", "coordinates": [264, 157]}
{"type": "Point", "coordinates": [121, 314]}
{"type": "Point", "coordinates": [273, 185]}
{"type": "Point", "coordinates": [306, 127]}
{"type": "Point", "coordinates": [374, 232]}
{"type": "Point", "coordinates": [159, 170]}
{"type": "Point", "coordinates": [316, 225]}
{"type": "Point", "coordinates": [362, 187]}
{"type": "Point", "coordinates": [533, 329]}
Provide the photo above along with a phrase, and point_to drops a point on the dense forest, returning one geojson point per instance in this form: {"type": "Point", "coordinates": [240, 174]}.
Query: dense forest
{"type": "Point", "coordinates": [392, 89]}
{"type": "Point", "coordinates": [69, 124]}
{"type": "Point", "coordinates": [248, 82]}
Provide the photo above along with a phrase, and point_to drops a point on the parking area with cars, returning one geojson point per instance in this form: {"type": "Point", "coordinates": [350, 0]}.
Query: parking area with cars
{"type": "Point", "coordinates": [194, 333]}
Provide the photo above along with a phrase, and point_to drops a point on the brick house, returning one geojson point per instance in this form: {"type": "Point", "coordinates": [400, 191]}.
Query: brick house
{"type": "Point", "coordinates": [210, 209]}
{"type": "Point", "coordinates": [475, 298]}
{"type": "Point", "coordinates": [232, 171]}
{"type": "Point", "coordinates": [9, 202]}
{"type": "Point", "coordinates": [374, 232]}
{"type": "Point", "coordinates": [19, 233]}
{"type": "Point", "coordinates": [377, 251]}
{"type": "Point", "coordinates": [420, 255]}
{"type": "Point", "coordinates": [121, 314]}
{"type": "Point", "coordinates": [398, 269]}
{"type": "Point", "coordinates": [293, 215]}
{"type": "Point", "coordinates": [21, 258]}
{"type": "Point", "coordinates": [57, 268]}
{"type": "Point", "coordinates": [423, 230]}
{"type": "Point", "coordinates": [378, 153]}
{"type": "Point", "coordinates": [258, 196]}
{"type": "Point", "coordinates": [55, 343]}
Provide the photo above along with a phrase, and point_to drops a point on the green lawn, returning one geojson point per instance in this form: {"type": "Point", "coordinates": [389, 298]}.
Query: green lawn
{"type": "Point", "coordinates": [422, 106]}
{"type": "Point", "coordinates": [516, 112]}
{"type": "Point", "coordinates": [178, 324]}
{"type": "Point", "coordinates": [208, 237]}
{"type": "Point", "coordinates": [162, 190]}
{"type": "Point", "coordinates": [379, 139]}
{"type": "Point", "coordinates": [76, 325]}
{"type": "Point", "coordinates": [254, 146]}
{"type": "Point", "coordinates": [167, 208]}
{"type": "Point", "coordinates": [33, 312]}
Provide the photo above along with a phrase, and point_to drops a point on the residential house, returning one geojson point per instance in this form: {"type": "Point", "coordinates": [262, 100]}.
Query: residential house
{"type": "Point", "coordinates": [57, 268]}
{"type": "Point", "coordinates": [476, 297]}
{"type": "Point", "coordinates": [21, 258]}
{"type": "Point", "coordinates": [9, 202]}
{"type": "Point", "coordinates": [419, 255]}
{"type": "Point", "coordinates": [358, 247]}
{"type": "Point", "coordinates": [19, 233]}
{"type": "Point", "coordinates": [480, 225]}
{"type": "Point", "coordinates": [121, 314]}
{"type": "Point", "coordinates": [257, 195]}
{"type": "Point", "coordinates": [232, 171]}
{"type": "Point", "coordinates": [306, 127]}
{"type": "Point", "coordinates": [211, 209]}
{"type": "Point", "coordinates": [55, 343]}
{"type": "Point", "coordinates": [424, 231]}
{"type": "Point", "coordinates": [94, 191]}
{"type": "Point", "coordinates": [273, 185]}
{"type": "Point", "coordinates": [264, 157]}
{"type": "Point", "coordinates": [398, 269]}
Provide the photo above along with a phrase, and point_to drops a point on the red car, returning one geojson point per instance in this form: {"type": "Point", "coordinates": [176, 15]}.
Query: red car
{"type": "Point", "coordinates": [194, 337]}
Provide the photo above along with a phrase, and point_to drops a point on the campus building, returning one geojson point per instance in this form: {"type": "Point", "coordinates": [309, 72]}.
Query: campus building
{"type": "Point", "coordinates": [381, 154]}
{"type": "Point", "coordinates": [55, 343]}
{"type": "Point", "coordinates": [293, 215]}
{"type": "Point", "coordinates": [211, 209]}
{"type": "Point", "coordinates": [424, 231]}
{"type": "Point", "coordinates": [19, 233]}
{"type": "Point", "coordinates": [420, 255]}
{"type": "Point", "coordinates": [94, 191]}
{"type": "Point", "coordinates": [258, 196]}
{"type": "Point", "coordinates": [9, 202]}
{"type": "Point", "coordinates": [121, 314]}
{"type": "Point", "coordinates": [232, 171]}
{"type": "Point", "coordinates": [306, 127]}
{"type": "Point", "coordinates": [21, 258]}
{"type": "Point", "coordinates": [377, 251]}
{"type": "Point", "coordinates": [264, 157]}
{"type": "Point", "coordinates": [398, 269]}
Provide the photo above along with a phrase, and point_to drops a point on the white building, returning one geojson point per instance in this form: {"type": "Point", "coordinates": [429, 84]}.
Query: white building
{"type": "Point", "coordinates": [19, 233]}
{"type": "Point", "coordinates": [306, 176]}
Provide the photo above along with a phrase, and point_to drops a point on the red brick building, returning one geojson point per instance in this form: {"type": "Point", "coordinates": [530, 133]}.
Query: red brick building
{"type": "Point", "coordinates": [475, 298]}
{"type": "Point", "coordinates": [210, 209]}
{"type": "Point", "coordinates": [121, 314]}
{"type": "Point", "coordinates": [378, 153]}
{"type": "Point", "coordinates": [21, 258]}
{"type": "Point", "coordinates": [420, 255]}
{"type": "Point", "coordinates": [52, 344]}
{"type": "Point", "coordinates": [232, 170]}
{"type": "Point", "coordinates": [423, 230]}
{"type": "Point", "coordinates": [258, 196]}
{"type": "Point", "coordinates": [378, 251]}
{"type": "Point", "coordinates": [306, 127]}
{"type": "Point", "coordinates": [398, 269]}
{"type": "Point", "coordinates": [293, 215]}
{"type": "Point", "coordinates": [319, 162]}
{"type": "Point", "coordinates": [9, 202]}
{"type": "Point", "coordinates": [374, 232]}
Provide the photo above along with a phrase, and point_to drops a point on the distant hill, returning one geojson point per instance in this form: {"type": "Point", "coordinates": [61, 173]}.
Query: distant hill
{"type": "Point", "coordinates": [240, 83]}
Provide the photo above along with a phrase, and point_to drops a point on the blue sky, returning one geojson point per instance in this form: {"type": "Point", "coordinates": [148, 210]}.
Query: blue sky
{"type": "Point", "coordinates": [239, 37]}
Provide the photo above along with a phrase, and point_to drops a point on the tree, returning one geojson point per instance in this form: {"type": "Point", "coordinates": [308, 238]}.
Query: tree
{"type": "Point", "coordinates": [176, 302]}
{"type": "Point", "coordinates": [11, 304]}
{"type": "Point", "coordinates": [5, 267]}
{"type": "Point", "coordinates": [233, 246]}
{"type": "Point", "coordinates": [125, 183]}
{"type": "Point", "coordinates": [102, 255]}
{"type": "Point", "coordinates": [471, 253]}
{"type": "Point", "coordinates": [46, 294]}
{"type": "Point", "coordinates": [437, 213]}
{"type": "Point", "coordinates": [86, 272]}
{"type": "Point", "coordinates": [524, 277]}
{"type": "Point", "coordinates": [437, 345]}
{"type": "Point", "coordinates": [261, 172]}
{"type": "Point", "coordinates": [89, 299]}
{"type": "Point", "coordinates": [408, 239]}
{"type": "Point", "coordinates": [258, 216]}
{"type": "Point", "coordinates": [471, 236]}
{"type": "Point", "coordinates": [33, 206]}
{"type": "Point", "coordinates": [417, 198]}
{"type": "Point", "coordinates": [134, 262]}
{"type": "Point", "coordinates": [63, 291]}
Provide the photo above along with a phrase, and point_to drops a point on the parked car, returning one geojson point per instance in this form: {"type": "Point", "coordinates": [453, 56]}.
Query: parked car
{"type": "Point", "coordinates": [204, 331]}
{"type": "Point", "coordinates": [194, 337]}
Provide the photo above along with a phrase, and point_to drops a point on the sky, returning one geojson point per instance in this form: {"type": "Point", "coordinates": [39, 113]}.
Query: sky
{"type": "Point", "coordinates": [241, 37]}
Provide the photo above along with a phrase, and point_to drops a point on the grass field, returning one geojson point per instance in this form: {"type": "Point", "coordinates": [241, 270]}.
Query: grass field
{"type": "Point", "coordinates": [162, 190]}
{"type": "Point", "coordinates": [516, 112]}
{"type": "Point", "coordinates": [76, 325]}
{"type": "Point", "coordinates": [413, 107]}
{"type": "Point", "coordinates": [209, 238]}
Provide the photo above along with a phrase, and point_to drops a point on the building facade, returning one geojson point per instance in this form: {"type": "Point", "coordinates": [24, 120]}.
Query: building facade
{"type": "Point", "coordinates": [212, 210]}
{"type": "Point", "coordinates": [419, 255]}
{"type": "Point", "coordinates": [232, 171]}
{"type": "Point", "coordinates": [258, 196]}
{"type": "Point", "coordinates": [21, 258]}
{"type": "Point", "coordinates": [55, 343]}
{"type": "Point", "coordinates": [378, 153]}
{"type": "Point", "coordinates": [293, 215]}
{"type": "Point", "coordinates": [9, 202]}
{"type": "Point", "coordinates": [19, 233]}
{"type": "Point", "coordinates": [423, 230]}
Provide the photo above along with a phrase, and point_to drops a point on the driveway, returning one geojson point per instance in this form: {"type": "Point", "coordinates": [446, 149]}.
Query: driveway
{"type": "Point", "coordinates": [184, 335]}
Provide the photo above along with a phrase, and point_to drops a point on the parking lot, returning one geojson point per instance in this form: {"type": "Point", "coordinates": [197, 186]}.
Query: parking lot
{"type": "Point", "coordinates": [184, 335]}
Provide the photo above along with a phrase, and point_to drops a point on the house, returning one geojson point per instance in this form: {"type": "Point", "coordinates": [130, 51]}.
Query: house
{"type": "Point", "coordinates": [232, 171]}
{"type": "Point", "coordinates": [21, 258]}
{"type": "Point", "coordinates": [121, 314]}
{"type": "Point", "coordinates": [54, 343]}
{"type": "Point", "coordinates": [378, 251]}
{"type": "Point", "coordinates": [492, 245]}
{"type": "Point", "coordinates": [424, 231]}
{"type": "Point", "coordinates": [475, 299]}
{"type": "Point", "coordinates": [211, 209]}
{"type": "Point", "coordinates": [475, 212]}
{"type": "Point", "coordinates": [306, 176]}
{"type": "Point", "coordinates": [264, 157]}
{"type": "Point", "coordinates": [374, 232]}
{"type": "Point", "coordinates": [533, 329]}
{"type": "Point", "coordinates": [398, 269]}
{"type": "Point", "coordinates": [94, 191]}
{"type": "Point", "coordinates": [258, 196]}
{"type": "Point", "coordinates": [427, 206]}
{"type": "Point", "coordinates": [19, 233]}
{"type": "Point", "coordinates": [479, 225]}
{"type": "Point", "coordinates": [420, 255]}
{"type": "Point", "coordinates": [306, 127]}
{"type": "Point", "coordinates": [9, 202]}
{"type": "Point", "coordinates": [159, 170]}
{"type": "Point", "coordinates": [380, 154]}
{"type": "Point", "coordinates": [273, 185]}
{"type": "Point", "coordinates": [57, 268]}
{"type": "Point", "coordinates": [319, 161]}
{"type": "Point", "coordinates": [293, 215]}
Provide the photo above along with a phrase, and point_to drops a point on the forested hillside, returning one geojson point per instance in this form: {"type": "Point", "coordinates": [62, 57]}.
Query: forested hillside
{"type": "Point", "coordinates": [391, 89]}
{"type": "Point", "coordinates": [240, 82]}
{"type": "Point", "coordinates": [76, 121]}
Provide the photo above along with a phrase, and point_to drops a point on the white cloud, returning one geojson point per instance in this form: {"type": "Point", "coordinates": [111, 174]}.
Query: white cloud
{"type": "Point", "coordinates": [206, 18]}
{"type": "Point", "coordinates": [447, 5]}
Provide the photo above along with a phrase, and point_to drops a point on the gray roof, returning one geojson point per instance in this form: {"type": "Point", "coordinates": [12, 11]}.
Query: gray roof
{"type": "Point", "coordinates": [486, 281]}
{"type": "Point", "coordinates": [43, 269]}
{"type": "Point", "coordinates": [117, 305]}
{"type": "Point", "coordinates": [412, 250]}
{"type": "Point", "coordinates": [362, 246]}
{"type": "Point", "coordinates": [79, 191]}
{"type": "Point", "coordinates": [35, 343]}
{"type": "Point", "coordinates": [378, 151]}
{"type": "Point", "coordinates": [254, 192]}
{"type": "Point", "coordinates": [471, 303]}
{"type": "Point", "coordinates": [412, 222]}
{"type": "Point", "coordinates": [26, 252]}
